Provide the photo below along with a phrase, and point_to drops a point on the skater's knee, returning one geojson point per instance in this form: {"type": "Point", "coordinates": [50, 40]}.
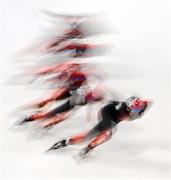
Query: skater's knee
{"type": "Point", "coordinates": [101, 138]}
{"type": "Point", "coordinates": [78, 139]}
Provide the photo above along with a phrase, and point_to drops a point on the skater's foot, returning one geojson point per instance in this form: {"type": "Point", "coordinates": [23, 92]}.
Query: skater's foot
{"type": "Point", "coordinates": [58, 145]}
{"type": "Point", "coordinates": [17, 125]}
{"type": "Point", "coordinates": [83, 153]}
{"type": "Point", "coordinates": [22, 121]}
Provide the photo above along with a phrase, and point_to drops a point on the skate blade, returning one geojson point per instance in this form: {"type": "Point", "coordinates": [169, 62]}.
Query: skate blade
{"type": "Point", "coordinates": [48, 150]}
{"type": "Point", "coordinates": [51, 149]}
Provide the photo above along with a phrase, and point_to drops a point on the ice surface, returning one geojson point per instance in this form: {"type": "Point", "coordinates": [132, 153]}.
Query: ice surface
{"type": "Point", "coordinates": [138, 64]}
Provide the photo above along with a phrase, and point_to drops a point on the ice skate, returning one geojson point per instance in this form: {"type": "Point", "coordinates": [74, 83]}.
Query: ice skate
{"type": "Point", "coordinates": [58, 145]}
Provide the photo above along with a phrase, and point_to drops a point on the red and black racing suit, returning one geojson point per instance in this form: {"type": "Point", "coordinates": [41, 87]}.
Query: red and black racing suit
{"type": "Point", "coordinates": [110, 115]}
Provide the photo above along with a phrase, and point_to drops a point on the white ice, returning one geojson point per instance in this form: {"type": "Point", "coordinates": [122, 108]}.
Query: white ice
{"type": "Point", "coordinates": [139, 64]}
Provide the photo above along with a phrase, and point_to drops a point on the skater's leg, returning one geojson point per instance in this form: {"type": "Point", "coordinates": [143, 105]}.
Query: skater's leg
{"type": "Point", "coordinates": [86, 135]}
{"type": "Point", "coordinates": [59, 114]}
{"type": "Point", "coordinates": [104, 129]}
{"type": "Point", "coordinates": [67, 106]}
{"type": "Point", "coordinates": [61, 109]}
{"type": "Point", "coordinates": [57, 95]}
{"type": "Point", "coordinates": [79, 138]}
{"type": "Point", "coordinates": [99, 139]}
{"type": "Point", "coordinates": [55, 120]}
{"type": "Point", "coordinates": [71, 141]}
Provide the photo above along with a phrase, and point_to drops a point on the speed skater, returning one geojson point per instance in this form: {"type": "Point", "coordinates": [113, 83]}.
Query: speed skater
{"type": "Point", "coordinates": [110, 115]}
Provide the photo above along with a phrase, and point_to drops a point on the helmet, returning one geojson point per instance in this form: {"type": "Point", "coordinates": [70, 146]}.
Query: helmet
{"type": "Point", "coordinates": [135, 106]}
